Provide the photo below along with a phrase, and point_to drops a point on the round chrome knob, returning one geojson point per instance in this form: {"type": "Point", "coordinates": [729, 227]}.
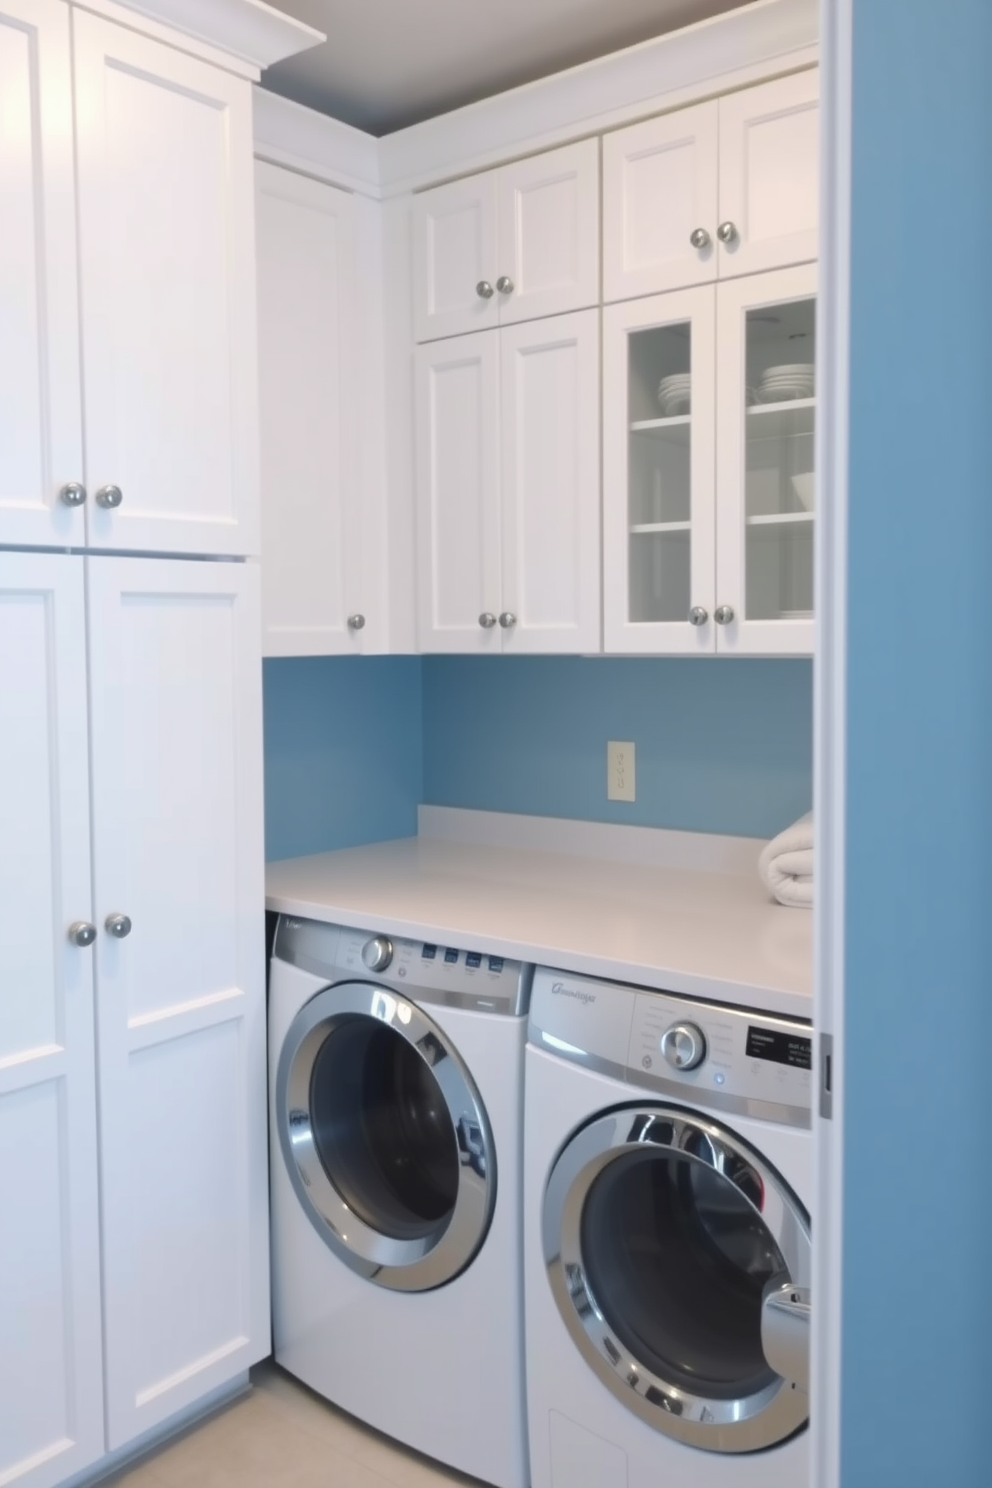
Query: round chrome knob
{"type": "Point", "coordinates": [723, 614]}
{"type": "Point", "coordinates": [487, 619]}
{"type": "Point", "coordinates": [484, 289]}
{"type": "Point", "coordinates": [377, 953]}
{"type": "Point", "coordinates": [117, 925]}
{"type": "Point", "coordinates": [72, 494]}
{"type": "Point", "coordinates": [700, 238]}
{"type": "Point", "coordinates": [504, 284]}
{"type": "Point", "coordinates": [684, 1045]}
{"type": "Point", "coordinates": [727, 232]}
{"type": "Point", "coordinates": [698, 616]}
{"type": "Point", "coordinates": [356, 622]}
{"type": "Point", "coordinates": [508, 619]}
{"type": "Point", "coordinates": [108, 497]}
{"type": "Point", "coordinates": [82, 933]}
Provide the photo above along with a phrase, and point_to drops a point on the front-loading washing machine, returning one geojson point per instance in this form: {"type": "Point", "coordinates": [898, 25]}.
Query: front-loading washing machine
{"type": "Point", "coordinates": [396, 1085]}
{"type": "Point", "coordinates": [667, 1187]}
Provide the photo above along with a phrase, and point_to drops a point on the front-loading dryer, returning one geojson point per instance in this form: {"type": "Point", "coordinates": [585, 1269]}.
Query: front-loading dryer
{"type": "Point", "coordinates": [667, 1185]}
{"type": "Point", "coordinates": [396, 1084]}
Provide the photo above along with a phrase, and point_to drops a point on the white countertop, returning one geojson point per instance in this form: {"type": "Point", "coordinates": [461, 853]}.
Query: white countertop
{"type": "Point", "coordinates": [482, 885]}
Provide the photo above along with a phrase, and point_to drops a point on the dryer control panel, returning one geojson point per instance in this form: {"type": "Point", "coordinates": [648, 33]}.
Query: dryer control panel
{"type": "Point", "coordinates": [724, 1057]}
{"type": "Point", "coordinates": [424, 971]}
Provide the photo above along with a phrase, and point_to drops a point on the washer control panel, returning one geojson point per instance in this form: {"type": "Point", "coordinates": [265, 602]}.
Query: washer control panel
{"type": "Point", "coordinates": [425, 971]}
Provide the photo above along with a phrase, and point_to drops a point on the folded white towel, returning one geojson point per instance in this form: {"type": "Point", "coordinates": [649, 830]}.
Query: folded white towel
{"type": "Point", "coordinates": [786, 864]}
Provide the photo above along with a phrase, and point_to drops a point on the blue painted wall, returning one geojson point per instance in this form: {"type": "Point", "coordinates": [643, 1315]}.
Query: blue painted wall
{"type": "Point", "coordinates": [917, 1304]}
{"type": "Point", "coordinates": [722, 746]}
{"type": "Point", "coordinates": [343, 751]}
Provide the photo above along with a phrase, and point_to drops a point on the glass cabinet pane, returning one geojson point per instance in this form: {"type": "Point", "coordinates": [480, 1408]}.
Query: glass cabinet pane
{"type": "Point", "coordinates": [779, 502]}
{"type": "Point", "coordinates": [659, 411]}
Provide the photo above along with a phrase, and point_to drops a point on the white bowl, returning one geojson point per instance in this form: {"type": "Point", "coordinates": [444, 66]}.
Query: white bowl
{"type": "Point", "coordinates": [804, 487]}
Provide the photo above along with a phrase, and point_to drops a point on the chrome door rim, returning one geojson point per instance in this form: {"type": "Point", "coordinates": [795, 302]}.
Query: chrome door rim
{"type": "Point", "coordinates": [746, 1424]}
{"type": "Point", "coordinates": [402, 1264]}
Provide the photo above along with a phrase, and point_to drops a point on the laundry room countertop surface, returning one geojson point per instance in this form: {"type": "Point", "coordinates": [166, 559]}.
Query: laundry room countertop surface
{"type": "Point", "coordinates": [677, 911]}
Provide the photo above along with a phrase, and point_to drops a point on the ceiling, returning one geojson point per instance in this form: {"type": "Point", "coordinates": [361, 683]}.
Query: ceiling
{"type": "Point", "coordinates": [390, 63]}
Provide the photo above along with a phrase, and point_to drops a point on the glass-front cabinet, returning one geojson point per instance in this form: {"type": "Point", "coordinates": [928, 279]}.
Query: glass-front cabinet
{"type": "Point", "coordinates": [708, 483]}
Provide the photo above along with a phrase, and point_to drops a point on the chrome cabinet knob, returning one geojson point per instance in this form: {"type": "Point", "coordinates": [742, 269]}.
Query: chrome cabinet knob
{"type": "Point", "coordinates": [377, 953]}
{"type": "Point", "coordinates": [109, 497]}
{"type": "Point", "coordinates": [484, 289]}
{"type": "Point", "coordinates": [723, 614]}
{"type": "Point", "coordinates": [508, 619]}
{"type": "Point", "coordinates": [82, 933]}
{"type": "Point", "coordinates": [684, 1045]}
{"type": "Point", "coordinates": [487, 619]}
{"type": "Point", "coordinates": [356, 622]}
{"type": "Point", "coordinates": [700, 238]}
{"type": "Point", "coordinates": [698, 616]}
{"type": "Point", "coordinates": [727, 232]}
{"type": "Point", "coordinates": [117, 925]}
{"type": "Point", "coordinates": [504, 284]}
{"type": "Point", "coordinates": [72, 494]}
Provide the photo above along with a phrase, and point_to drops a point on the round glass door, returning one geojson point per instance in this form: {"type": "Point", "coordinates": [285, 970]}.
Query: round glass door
{"type": "Point", "coordinates": [664, 1235]}
{"type": "Point", "coordinates": [385, 1137]}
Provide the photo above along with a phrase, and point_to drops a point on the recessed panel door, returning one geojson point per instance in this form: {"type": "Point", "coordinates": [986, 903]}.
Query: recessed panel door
{"type": "Point", "coordinates": [41, 455]}
{"type": "Point", "coordinates": [548, 259]}
{"type": "Point", "coordinates": [51, 1370]}
{"type": "Point", "coordinates": [455, 264]}
{"type": "Point", "coordinates": [168, 295]}
{"type": "Point", "coordinates": [178, 898]}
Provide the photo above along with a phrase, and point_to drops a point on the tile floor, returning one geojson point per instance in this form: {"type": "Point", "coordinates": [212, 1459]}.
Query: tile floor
{"type": "Point", "coordinates": [281, 1435]}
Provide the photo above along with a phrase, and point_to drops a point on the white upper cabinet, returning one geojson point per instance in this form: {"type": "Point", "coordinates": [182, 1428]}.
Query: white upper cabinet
{"type": "Point", "coordinates": [167, 276]}
{"type": "Point", "coordinates": [51, 1372]}
{"type": "Point", "coordinates": [312, 539]}
{"type": "Point", "coordinates": [508, 488]}
{"type": "Point", "coordinates": [721, 189]}
{"type": "Point", "coordinates": [40, 406]}
{"type": "Point", "coordinates": [659, 191]}
{"type": "Point", "coordinates": [175, 700]}
{"type": "Point", "coordinates": [508, 245]}
{"type": "Point", "coordinates": [769, 174]}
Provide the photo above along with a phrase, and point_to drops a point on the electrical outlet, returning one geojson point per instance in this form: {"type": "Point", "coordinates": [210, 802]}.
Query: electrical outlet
{"type": "Point", "coordinates": [619, 771]}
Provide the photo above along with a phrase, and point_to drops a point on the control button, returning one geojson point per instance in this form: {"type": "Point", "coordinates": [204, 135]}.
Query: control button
{"type": "Point", "coordinates": [377, 953]}
{"type": "Point", "coordinates": [495, 963]}
{"type": "Point", "coordinates": [473, 959]}
{"type": "Point", "coordinates": [428, 953]}
{"type": "Point", "coordinates": [450, 958]}
{"type": "Point", "coordinates": [684, 1046]}
{"type": "Point", "coordinates": [719, 1078]}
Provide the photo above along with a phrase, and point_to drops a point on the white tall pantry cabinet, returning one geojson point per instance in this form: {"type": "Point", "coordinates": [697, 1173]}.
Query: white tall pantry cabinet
{"type": "Point", "coordinates": [133, 1182]}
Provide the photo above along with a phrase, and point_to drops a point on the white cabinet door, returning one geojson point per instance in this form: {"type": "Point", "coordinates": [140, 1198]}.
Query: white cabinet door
{"type": "Point", "coordinates": [40, 408]}
{"type": "Point", "coordinates": [659, 187]}
{"type": "Point", "coordinates": [658, 473]}
{"type": "Point", "coordinates": [455, 265]}
{"type": "Point", "coordinates": [769, 174]}
{"type": "Point", "coordinates": [168, 294]}
{"type": "Point", "coordinates": [51, 1395]}
{"type": "Point", "coordinates": [312, 540]}
{"type": "Point", "coordinates": [766, 409]}
{"type": "Point", "coordinates": [175, 700]}
{"type": "Point", "coordinates": [549, 370]}
{"type": "Point", "coordinates": [458, 483]}
{"type": "Point", "coordinates": [549, 233]}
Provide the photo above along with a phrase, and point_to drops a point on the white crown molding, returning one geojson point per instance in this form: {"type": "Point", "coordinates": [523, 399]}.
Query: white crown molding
{"type": "Point", "coordinates": [288, 134]}
{"type": "Point", "coordinates": [248, 32]}
{"type": "Point", "coordinates": [728, 51]}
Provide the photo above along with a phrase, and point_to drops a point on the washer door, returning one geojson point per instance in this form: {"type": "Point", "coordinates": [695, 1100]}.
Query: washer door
{"type": "Point", "coordinates": [385, 1137]}
{"type": "Point", "coordinates": [664, 1234]}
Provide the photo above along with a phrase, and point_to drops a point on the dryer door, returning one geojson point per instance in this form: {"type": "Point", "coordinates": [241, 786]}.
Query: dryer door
{"type": "Point", "coordinates": [385, 1137]}
{"type": "Point", "coordinates": [666, 1237]}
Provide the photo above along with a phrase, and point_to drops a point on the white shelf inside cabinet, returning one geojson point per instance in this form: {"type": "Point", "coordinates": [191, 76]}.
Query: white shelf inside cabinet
{"type": "Point", "coordinates": [640, 527]}
{"type": "Point", "coordinates": [676, 427]}
{"type": "Point", "coordinates": [779, 519]}
{"type": "Point", "coordinates": [778, 420]}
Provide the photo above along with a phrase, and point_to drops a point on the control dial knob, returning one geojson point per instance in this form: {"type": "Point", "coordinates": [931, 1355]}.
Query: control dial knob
{"type": "Point", "coordinates": [684, 1045]}
{"type": "Point", "coordinates": [377, 953]}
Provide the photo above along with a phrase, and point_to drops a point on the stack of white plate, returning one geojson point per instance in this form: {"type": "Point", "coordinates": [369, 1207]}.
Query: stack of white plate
{"type": "Point", "coordinates": [790, 380]}
{"type": "Point", "coordinates": [675, 394]}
